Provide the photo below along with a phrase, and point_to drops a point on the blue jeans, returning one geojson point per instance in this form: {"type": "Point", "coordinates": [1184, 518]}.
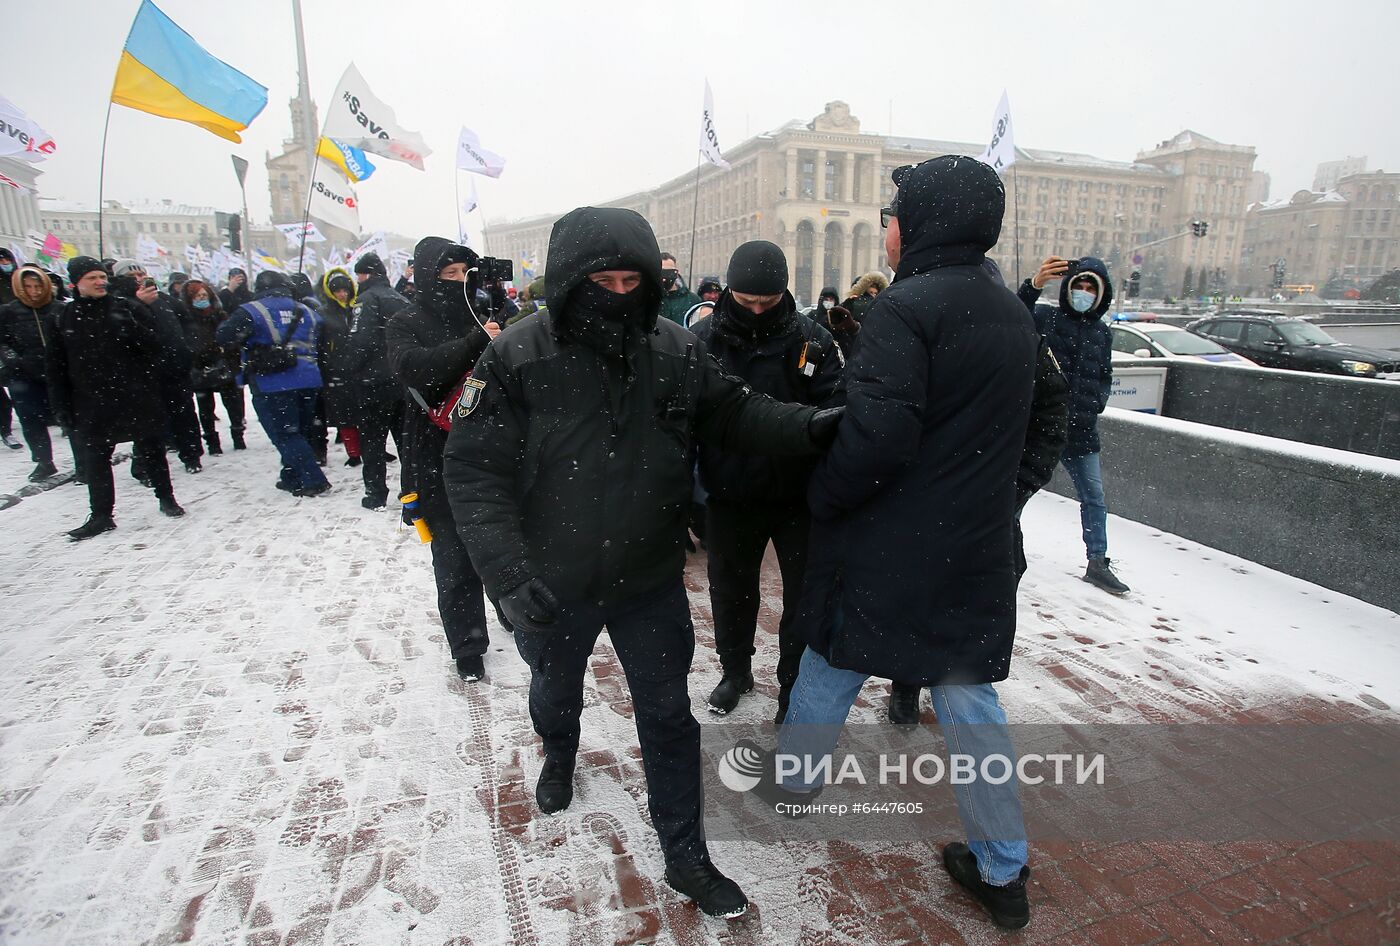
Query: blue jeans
{"type": "Point", "coordinates": [973, 724]}
{"type": "Point", "coordinates": [31, 402]}
{"type": "Point", "coordinates": [287, 416]}
{"type": "Point", "coordinates": [1087, 474]}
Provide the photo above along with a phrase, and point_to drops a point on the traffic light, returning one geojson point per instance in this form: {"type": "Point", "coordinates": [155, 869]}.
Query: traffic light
{"type": "Point", "coordinates": [1280, 270]}
{"type": "Point", "coordinates": [1199, 228]}
{"type": "Point", "coordinates": [1134, 283]}
{"type": "Point", "coordinates": [235, 235]}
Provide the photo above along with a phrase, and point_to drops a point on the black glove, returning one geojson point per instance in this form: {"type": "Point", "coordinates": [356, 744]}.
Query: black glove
{"type": "Point", "coordinates": [822, 427]}
{"type": "Point", "coordinates": [530, 606]}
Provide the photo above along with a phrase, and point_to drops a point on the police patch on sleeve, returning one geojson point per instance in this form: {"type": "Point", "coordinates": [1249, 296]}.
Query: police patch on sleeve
{"type": "Point", "coordinates": [471, 396]}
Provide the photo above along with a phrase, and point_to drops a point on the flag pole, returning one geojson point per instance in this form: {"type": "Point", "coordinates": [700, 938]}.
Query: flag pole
{"type": "Point", "coordinates": [694, 215]}
{"type": "Point", "coordinates": [457, 198]}
{"type": "Point", "coordinates": [1016, 219]}
{"type": "Point", "coordinates": [306, 214]}
{"type": "Point", "coordinates": [102, 176]}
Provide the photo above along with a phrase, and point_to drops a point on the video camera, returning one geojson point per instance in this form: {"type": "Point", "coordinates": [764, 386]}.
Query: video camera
{"type": "Point", "coordinates": [489, 269]}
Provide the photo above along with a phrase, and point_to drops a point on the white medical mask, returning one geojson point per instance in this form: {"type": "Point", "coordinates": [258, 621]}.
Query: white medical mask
{"type": "Point", "coordinates": [1081, 300]}
{"type": "Point", "coordinates": [827, 303]}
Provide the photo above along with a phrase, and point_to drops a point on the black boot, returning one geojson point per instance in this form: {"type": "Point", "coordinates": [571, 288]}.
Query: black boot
{"type": "Point", "coordinates": [555, 790]}
{"type": "Point", "coordinates": [238, 441]}
{"type": "Point", "coordinates": [725, 697]}
{"type": "Point", "coordinates": [784, 697]}
{"type": "Point", "coordinates": [714, 893]}
{"type": "Point", "coordinates": [904, 704]}
{"type": "Point", "coordinates": [375, 501]}
{"type": "Point", "coordinates": [1008, 905]}
{"type": "Point", "coordinates": [1100, 575]}
{"type": "Point", "coordinates": [95, 525]}
{"type": "Point", "coordinates": [171, 508]}
{"type": "Point", "coordinates": [353, 461]}
{"type": "Point", "coordinates": [211, 442]}
{"type": "Point", "coordinates": [42, 471]}
{"type": "Point", "coordinates": [471, 669]}
{"type": "Point", "coordinates": [193, 465]}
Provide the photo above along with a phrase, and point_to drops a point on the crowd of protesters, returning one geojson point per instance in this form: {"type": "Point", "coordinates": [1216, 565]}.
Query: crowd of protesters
{"type": "Point", "coordinates": [560, 447]}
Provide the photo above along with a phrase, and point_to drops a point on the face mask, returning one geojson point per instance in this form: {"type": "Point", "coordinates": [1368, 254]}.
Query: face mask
{"type": "Point", "coordinates": [449, 297]}
{"type": "Point", "coordinates": [201, 303]}
{"type": "Point", "coordinates": [669, 277]}
{"type": "Point", "coordinates": [613, 306]}
{"type": "Point", "coordinates": [827, 303]}
{"type": "Point", "coordinates": [1081, 300]}
{"type": "Point", "coordinates": [7, 268]}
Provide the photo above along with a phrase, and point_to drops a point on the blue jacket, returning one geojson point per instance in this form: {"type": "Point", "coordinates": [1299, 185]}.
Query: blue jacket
{"type": "Point", "coordinates": [264, 321]}
{"type": "Point", "coordinates": [1083, 346]}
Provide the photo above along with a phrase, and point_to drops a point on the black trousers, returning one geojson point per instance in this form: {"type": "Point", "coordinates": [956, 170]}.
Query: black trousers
{"type": "Point", "coordinates": [184, 422]}
{"type": "Point", "coordinates": [234, 406]}
{"type": "Point", "coordinates": [655, 641]}
{"type": "Point", "coordinates": [461, 598]}
{"type": "Point", "coordinates": [96, 466]}
{"type": "Point", "coordinates": [737, 537]}
{"type": "Point", "coordinates": [376, 424]}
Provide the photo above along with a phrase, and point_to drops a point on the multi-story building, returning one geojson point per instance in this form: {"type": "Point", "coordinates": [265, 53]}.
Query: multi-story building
{"type": "Point", "coordinates": [1345, 237]}
{"type": "Point", "coordinates": [19, 206]}
{"type": "Point", "coordinates": [172, 225]}
{"type": "Point", "coordinates": [816, 189]}
{"type": "Point", "coordinates": [1330, 173]}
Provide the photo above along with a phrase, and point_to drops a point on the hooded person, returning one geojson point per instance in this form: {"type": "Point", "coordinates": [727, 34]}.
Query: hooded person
{"type": "Point", "coordinates": [757, 335]}
{"type": "Point", "coordinates": [863, 294]}
{"type": "Point", "coordinates": [237, 292]}
{"type": "Point", "coordinates": [215, 368]}
{"type": "Point", "coordinates": [1083, 345]}
{"type": "Point", "coordinates": [8, 265]}
{"type": "Point", "coordinates": [569, 471]}
{"type": "Point", "coordinates": [102, 367]}
{"type": "Point", "coordinates": [432, 344]}
{"type": "Point", "coordinates": [378, 396]}
{"type": "Point", "coordinates": [279, 338]}
{"type": "Point", "coordinates": [27, 327]}
{"type": "Point", "coordinates": [130, 281]}
{"type": "Point", "coordinates": [337, 298]}
{"type": "Point", "coordinates": [911, 569]}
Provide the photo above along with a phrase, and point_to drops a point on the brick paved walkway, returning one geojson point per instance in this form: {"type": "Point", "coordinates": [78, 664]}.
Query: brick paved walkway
{"type": "Point", "coordinates": [191, 752]}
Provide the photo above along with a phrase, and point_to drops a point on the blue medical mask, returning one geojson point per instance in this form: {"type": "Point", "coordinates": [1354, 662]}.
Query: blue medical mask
{"type": "Point", "coordinates": [7, 268]}
{"type": "Point", "coordinates": [201, 303]}
{"type": "Point", "coordinates": [1081, 300]}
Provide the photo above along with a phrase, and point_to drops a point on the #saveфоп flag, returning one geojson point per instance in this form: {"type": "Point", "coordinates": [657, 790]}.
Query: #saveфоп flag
{"type": "Point", "coordinates": [163, 71]}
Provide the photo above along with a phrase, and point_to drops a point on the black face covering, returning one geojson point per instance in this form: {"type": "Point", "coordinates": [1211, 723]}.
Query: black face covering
{"type": "Point", "coordinates": [447, 298]}
{"type": "Point", "coordinates": [602, 316]}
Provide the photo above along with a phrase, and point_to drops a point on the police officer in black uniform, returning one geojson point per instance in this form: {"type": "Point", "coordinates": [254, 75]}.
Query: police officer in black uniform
{"type": "Point", "coordinates": [757, 334]}
{"type": "Point", "coordinates": [568, 469]}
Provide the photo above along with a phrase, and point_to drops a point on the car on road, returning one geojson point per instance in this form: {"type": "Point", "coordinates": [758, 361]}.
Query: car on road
{"type": "Point", "coordinates": [1275, 340]}
{"type": "Point", "coordinates": [1150, 340]}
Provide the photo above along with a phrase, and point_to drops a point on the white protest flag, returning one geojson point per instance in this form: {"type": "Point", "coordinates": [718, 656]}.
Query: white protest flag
{"type": "Point", "coordinates": [398, 262]}
{"type": "Point", "coordinates": [375, 244]}
{"type": "Point", "coordinates": [470, 201]}
{"type": "Point", "coordinates": [333, 200]}
{"type": "Point", "coordinates": [294, 231]}
{"type": "Point", "coordinates": [356, 117]}
{"type": "Point", "coordinates": [471, 156]}
{"type": "Point", "coordinates": [1001, 153]}
{"type": "Point", "coordinates": [709, 141]}
{"type": "Point", "coordinates": [20, 136]}
{"type": "Point", "coordinates": [18, 253]}
{"type": "Point", "coordinates": [148, 251]}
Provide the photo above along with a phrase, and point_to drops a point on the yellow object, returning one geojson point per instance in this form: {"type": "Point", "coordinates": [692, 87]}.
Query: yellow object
{"type": "Point", "coordinates": [425, 534]}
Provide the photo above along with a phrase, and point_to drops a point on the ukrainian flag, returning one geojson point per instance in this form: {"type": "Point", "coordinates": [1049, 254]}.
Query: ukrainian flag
{"type": "Point", "coordinates": [165, 72]}
{"type": "Point", "coordinates": [351, 160]}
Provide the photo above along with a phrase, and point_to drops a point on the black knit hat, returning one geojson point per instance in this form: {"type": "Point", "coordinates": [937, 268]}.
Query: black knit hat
{"type": "Point", "coordinates": [758, 268]}
{"type": "Point", "coordinates": [372, 265]}
{"type": "Point", "coordinates": [80, 266]}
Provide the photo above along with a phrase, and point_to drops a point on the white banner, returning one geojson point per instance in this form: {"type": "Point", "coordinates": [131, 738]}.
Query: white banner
{"type": "Point", "coordinates": [471, 156]}
{"type": "Point", "coordinates": [18, 253]}
{"type": "Point", "coordinates": [709, 141]}
{"type": "Point", "coordinates": [1001, 153]}
{"type": "Point", "coordinates": [333, 200]}
{"type": "Point", "coordinates": [375, 244]}
{"type": "Point", "coordinates": [356, 117]}
{"type": "Point", "coordinates": [469, 203]}
{"type": "Point", "coordinates": [20, 136]}
{"type": "Point", "coordinates": [149, 252]}
{"type": "Point", "coordinates": [293, 232]}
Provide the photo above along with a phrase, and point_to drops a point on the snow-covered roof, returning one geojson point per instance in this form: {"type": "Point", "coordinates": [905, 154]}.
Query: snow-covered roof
{"type": "Point", "coordinates": [144, 208]}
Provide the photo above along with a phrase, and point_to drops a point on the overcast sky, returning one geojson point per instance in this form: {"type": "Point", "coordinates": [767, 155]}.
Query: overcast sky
{"type": "Point", "coordinates": [592, 101]}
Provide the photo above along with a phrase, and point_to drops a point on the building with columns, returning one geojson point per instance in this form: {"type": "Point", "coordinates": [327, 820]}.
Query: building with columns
{"type": "Point", "coordinates": [816, 189]}
{"type": "Point", "coordinates": [19, 206]}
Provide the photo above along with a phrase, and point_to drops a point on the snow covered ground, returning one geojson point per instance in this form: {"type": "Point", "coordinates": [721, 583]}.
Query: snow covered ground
{"type": "Point", "coordinates": [242, 728]}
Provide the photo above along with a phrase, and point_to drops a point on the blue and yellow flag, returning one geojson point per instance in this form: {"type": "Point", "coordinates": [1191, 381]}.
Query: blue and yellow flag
{"type": "Point", "coordinates": [351, 160]}
{"type": "Point", "coordinates": [165, 72]}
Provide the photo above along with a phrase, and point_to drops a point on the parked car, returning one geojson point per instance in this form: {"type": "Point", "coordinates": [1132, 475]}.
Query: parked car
{"type": "Point", "coordinates": [1150, 340]}
{"type": "Point", "coordinates": [1274, 340]}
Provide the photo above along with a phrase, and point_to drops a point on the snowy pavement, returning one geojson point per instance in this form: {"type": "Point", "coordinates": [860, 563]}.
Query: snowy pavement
{"type": "Point", "coordinates": [242, 728]}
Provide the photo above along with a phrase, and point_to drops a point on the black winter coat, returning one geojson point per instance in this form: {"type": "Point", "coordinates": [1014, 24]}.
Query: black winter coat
{"type": "Point", "coordinates": [337, 390]}
{"type": "Point", "coordinates": [231, 299]}
{"type": "Point", "coordinates": [102, 370]}
{"type": "Point", "coordinates": [25, 334]}
{"type": "Point", "coordinates": [431, 347]}
{"type": "Point", "coordinates": [175, 360]}
{"type": "Point", "coordinates": [1083, 346]}
{"type": "Point", "coordinates": [573, 466]}
{"type": "Point", "coordinates": [366, 351]}
{"type": "Point", "coordinates": [912, 572]}
{"type": "Point", "coordinates": [768, 361]}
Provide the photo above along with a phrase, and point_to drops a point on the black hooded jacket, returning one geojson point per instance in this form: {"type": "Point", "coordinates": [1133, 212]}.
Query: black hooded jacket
{"type": "Point", "coordinates": [367, 354]}
{"type": "Point", "coordinates": [175, 361]}
{"type": "Point", "coordinates": [771, 354]}
{"type": "Point", "coordinates": [1083, 346]}
{"type": "Point", "coordinates": [430, 349]}
{"type": "Point", "coordinates": [573, 466]}
{"type": "Point", "coordinates": [912, 571]}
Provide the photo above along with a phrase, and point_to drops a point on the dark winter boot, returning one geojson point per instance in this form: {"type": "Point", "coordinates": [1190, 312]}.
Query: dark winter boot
{"type": "Point", "coordinates": [1100, 575]}
{"type": "Point", "coordinates": [216, 449]}
{"type": "Point", "coordinates": [555, 790]}
{"type": "Point", "coordinates": [194, 466]}
{"type": "Point", "coordinates": [312, 491]}
{"type": "Point", "coordinates": [10, 441]}
{"type": "Point", "coordinates": [904, 704]}
{"type": "Point", "coordinates": [95, 525]}
{"type": "Point", "coordinates": [784, 697]}
{"type": "Point", "coordinates": [471, 669]}
{"type": "Point", "coordinates": [238, 442]}
{"type": "Point", "coordinates": [375, 501]}
{"type": "Point", "coordinates": [725, 697]}
{"type": "Point", "coordinates": [171, 508]}
{"type": "Point", "coordinates": [714, 893]}
{"type": "Point", "coordinates": [1008, 905]}
{"type": "Point", "coordinates": [42, 471]}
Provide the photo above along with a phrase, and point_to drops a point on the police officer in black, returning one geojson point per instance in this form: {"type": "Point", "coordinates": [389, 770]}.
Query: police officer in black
{"type": "Point", "coordinates": [568, 468]}
{"type": "Point", "coordinates": [757, 334]}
